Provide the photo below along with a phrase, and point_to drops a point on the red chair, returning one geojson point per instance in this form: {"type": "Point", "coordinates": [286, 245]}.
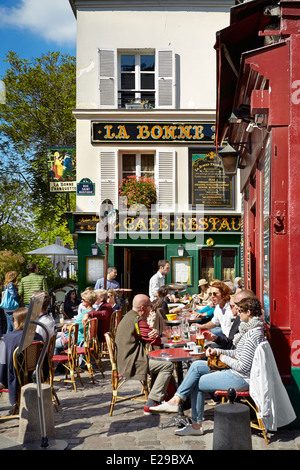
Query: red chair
{"type": "Point", "coordinates": [256, 422]}
{"type": "Point", "coordinates": [91, 348]}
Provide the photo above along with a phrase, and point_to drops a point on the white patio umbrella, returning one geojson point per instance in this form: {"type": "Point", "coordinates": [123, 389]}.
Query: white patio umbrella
{"type": "Point", "coordinates": [58, 253]}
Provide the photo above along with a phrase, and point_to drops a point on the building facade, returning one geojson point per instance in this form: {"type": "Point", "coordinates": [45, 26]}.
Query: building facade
{"type": "Point", "coordinates": [258, 104]}
{"type": "Point", "coordinates": [146, 94]}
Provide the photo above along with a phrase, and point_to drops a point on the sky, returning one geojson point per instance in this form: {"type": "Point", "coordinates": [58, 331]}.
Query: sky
{"type": "Point", "coordinates": [34, 27]}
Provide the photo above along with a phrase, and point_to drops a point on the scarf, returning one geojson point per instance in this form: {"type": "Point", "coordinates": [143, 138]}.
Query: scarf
{"type": "Point", "coordinates": [246, 326]}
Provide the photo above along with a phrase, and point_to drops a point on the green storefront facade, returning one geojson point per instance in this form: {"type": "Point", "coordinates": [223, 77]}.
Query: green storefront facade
{"type": "Point", "coordinates": [211, 248]}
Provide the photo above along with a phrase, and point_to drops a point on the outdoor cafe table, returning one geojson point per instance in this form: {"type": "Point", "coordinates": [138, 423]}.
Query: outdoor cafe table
{"type": "Point", "coordinates": [177, 355]}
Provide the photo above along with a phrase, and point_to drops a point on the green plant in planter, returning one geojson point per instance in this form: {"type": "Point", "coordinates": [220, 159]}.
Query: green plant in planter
{"type": "Point", "coordinates": [138, 191]}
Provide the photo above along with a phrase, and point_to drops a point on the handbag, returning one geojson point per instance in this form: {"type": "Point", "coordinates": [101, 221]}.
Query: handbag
{"type": "Point", "coordinates": [8, 303]}
{"type": "Point", "coordinates": [214, 363]}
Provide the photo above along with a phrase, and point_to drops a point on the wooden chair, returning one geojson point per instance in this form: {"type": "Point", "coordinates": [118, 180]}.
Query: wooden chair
{"type": "Point", "coordinates": [114, 322]}
{"type": "Point", "coordinates": [50, 354]}
{"type": "Point", "coordinates": [24, 363]}
{"type": "Point", "coordinates": [69, 359]}
{"type": "Point", "coordinates": [91, 348]}
{"type": "Point", "coordinates": [118, 381]}
{"type": "Point", "coordinates": [256, 422]}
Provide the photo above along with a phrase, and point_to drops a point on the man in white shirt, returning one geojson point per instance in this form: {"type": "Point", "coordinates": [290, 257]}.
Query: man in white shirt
{"type": "Point", "coordinates": [158, 279]}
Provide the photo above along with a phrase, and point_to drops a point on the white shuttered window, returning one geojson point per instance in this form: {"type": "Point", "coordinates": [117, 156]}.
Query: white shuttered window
{"type": "Point", "coordinates": [109, 176]}
{"type": "Point", "coordinates": [166, 167]}
{"type": "Point", "coordinates": [121, 81]}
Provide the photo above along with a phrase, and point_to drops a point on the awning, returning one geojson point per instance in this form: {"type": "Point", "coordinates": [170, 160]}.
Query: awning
{"type": "Point", "coordinates": [231, 42]}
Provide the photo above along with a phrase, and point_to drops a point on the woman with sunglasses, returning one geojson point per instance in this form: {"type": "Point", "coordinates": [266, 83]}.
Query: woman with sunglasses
{"type": "Point", "coordinates": [221, 321]}
{"type": "Point", "coordinates": [199, 379]}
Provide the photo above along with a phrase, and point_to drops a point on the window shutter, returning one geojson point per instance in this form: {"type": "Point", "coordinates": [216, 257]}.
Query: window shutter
{"type": "Point", "coordinates": [166, 181]}
{"type": "Point", "coordinates": [165, 85]}
{"type": "Point", "coordinates": [109, 177]}
{"type": "Point", "coordinates": [108, 78]}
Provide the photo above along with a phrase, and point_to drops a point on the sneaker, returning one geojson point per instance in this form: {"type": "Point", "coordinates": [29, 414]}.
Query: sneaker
{"type": "Point", "coordinates": [165, 408]}
{"type": "Point", "coordinates": [150, 404]}
{"type": "Point", "coordinates": [189, 431]}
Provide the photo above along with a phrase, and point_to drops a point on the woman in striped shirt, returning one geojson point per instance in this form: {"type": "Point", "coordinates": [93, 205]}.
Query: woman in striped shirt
{"type": "Point", "coordinates": [199, 379]}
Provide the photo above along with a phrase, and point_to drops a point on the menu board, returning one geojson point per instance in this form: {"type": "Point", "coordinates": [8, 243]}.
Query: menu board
{"type": "Point", "coordinates": [208, 184]}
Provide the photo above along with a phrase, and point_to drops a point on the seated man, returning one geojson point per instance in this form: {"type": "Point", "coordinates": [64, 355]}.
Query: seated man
{"type": "Point", "coordinates": [102, 311]}
{"type": "Point", "coordinates": [133, 362]}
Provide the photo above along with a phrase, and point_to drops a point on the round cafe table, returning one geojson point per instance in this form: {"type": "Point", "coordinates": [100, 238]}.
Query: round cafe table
{"type": "Point", "coordinates": [177, 355]}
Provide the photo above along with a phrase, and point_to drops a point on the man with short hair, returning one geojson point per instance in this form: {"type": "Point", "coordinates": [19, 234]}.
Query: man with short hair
{"type": "Point", "coordinates": [111, 282]}
{"type": "Point", "coordinates": [132, 359]}
{"type": "Point", "coordinates": [158, 279]}
{"type": "Point", "coordinates": [31, 283]}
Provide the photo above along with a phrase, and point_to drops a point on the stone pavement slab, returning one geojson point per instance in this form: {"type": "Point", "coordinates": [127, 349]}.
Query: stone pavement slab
{"type": "Point", "coordinates": [83, 421]}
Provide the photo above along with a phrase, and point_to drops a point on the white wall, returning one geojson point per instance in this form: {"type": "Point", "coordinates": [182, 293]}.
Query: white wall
{"type": "Point", "coordinates": [190, 34]}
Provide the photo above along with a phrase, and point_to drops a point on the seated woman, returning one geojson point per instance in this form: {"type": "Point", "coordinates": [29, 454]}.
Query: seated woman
{"type": "Point", "coordinates": [199, 379]}
{"type": "Point", "coordinates": [160, 301]}
{"type": "Point", "coordinates": [8, 377]}
{"type": "Point", "coordinates": [111, 299]}
{"type": "Point", "coordinates": [89, 298]}
{"type": "Point", "coordinates": [71, 303]}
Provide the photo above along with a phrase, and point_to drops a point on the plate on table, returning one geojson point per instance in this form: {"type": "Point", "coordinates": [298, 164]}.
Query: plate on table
{"type": "Point", "coordinates": [192, 353]}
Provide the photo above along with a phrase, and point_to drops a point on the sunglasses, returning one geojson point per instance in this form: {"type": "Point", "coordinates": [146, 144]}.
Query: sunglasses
{"type": "Point", "coordinates": [214, 294]}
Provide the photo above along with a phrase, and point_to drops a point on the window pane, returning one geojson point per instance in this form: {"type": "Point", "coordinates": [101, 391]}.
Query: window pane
{"type": "Point", "coordinates": [147, 81]}
{"type": "Point", "coordinates": [149, 97]}
{"type": "Point", "coordinates": [207, 270]}
{"type": "Point", "coordinates": [129, 162]}
{"type": "Point", "coordinates": [228, 264]}
{"type": "Point", "coordinates": [127, 81]}
{"type": "Point", "coordinates": [126, 98]}
{"type": "Point", "coordinates": [127, 63]}
{"type": "Point", "coordinates": [147, 162]}
{"type": "Point", "coordinates": [147, 63]}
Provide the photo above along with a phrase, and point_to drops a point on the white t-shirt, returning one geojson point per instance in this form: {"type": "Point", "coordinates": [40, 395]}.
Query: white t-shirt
{"type": "Point", "coordinates": [156, 281]}
{"type": "Point", "coordinates": [223, 317]}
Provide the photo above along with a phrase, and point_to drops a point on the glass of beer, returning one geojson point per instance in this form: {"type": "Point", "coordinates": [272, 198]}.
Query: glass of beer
{"type": "Point", "coordinates": [199, 337]}
{"type": "Point", "coordinates": [176, 333]}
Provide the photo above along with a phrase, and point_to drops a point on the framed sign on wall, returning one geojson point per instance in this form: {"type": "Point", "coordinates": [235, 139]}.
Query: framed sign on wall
{"type": "Point", "coordinates": [181, 270]}
{"type": "Point", "coordinates": [207, 182]}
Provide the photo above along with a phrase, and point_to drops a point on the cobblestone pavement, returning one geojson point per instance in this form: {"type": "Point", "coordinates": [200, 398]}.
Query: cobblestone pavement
{"type": "Point", "coordinates": [83, 421]}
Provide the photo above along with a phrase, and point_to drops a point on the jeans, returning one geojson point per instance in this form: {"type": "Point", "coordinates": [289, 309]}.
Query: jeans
{"type": "Point", "coordinates": [199, 379]}
{"type": "Point", "coordinates": [9, 321]}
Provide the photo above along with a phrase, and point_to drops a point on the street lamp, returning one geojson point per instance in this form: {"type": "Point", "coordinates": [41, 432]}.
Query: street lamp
{"type": "Point", "coordinates": [95, 249]}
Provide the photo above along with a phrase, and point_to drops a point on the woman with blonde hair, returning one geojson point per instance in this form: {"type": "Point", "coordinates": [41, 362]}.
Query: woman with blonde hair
{"type": "Point", "coordinates": [10, 299]}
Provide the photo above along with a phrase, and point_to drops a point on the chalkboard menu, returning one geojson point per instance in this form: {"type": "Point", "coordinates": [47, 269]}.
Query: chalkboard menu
{"type": "Point", "coordinates": [208, 184]}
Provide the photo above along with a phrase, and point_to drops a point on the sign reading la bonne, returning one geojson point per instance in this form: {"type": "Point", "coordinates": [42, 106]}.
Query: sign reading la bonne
{"type": "Point", "coordinates": [163, 132]}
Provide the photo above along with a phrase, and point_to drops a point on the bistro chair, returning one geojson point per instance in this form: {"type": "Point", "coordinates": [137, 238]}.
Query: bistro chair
{"type": "Point", "coordinates": [50, 354]}
{"type": "Point", "coordinates": [69, 359]}
{"type": "Point", "coordinates": [114, 322]}
{"type": "Point", "coordinates": [118, 381]}
{"type": "Point", "coordinates": [91, 348]}
{"type": "Point", "coordinates": [255, 422]}
{"type": "Point", "coordinates": [24, 363]}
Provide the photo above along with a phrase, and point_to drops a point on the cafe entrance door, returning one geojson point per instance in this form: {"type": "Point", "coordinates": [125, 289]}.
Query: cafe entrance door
{"type": "Point", "coordinates": [137, 265]}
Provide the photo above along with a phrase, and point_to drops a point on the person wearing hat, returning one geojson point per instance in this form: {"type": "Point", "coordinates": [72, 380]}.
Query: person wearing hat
{"type": "Point", "coordinates": [68, 167]}
{"type": "Point", "coordinates": [204, 294]}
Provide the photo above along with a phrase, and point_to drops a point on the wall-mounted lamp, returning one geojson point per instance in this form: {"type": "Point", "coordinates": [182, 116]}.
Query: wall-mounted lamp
{"type": "Point", "coordinates": [75, 249]}
{"type": "Point", "coordinates": [241, 114]}
{"type": "Point", "coordinates": [95, 249]}
{"type": "Point", "coordinates": [180, 250]}
{"type": "Point", "coordinates": [230, 160]}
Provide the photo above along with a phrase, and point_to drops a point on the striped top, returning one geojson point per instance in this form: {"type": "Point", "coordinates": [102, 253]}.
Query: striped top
{"type": "Point", "coordinates": [29, 284]}
{"type": "Point", "coordinates": [240, 359]}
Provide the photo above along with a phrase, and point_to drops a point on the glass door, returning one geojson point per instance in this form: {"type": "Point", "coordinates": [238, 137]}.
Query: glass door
{"type": "Point", "coordinates": [218, 263]}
